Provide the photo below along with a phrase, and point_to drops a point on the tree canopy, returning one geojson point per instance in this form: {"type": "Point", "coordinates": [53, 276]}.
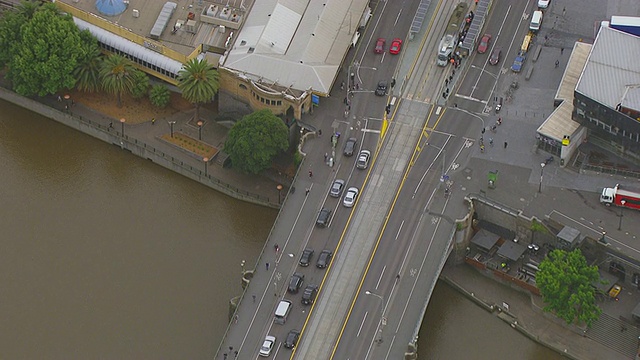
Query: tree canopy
{"type": "Point", "coordinates": [566, 283]}
{"type": "Point", "coordinates": [199, 83]}
{"type": "Point", "coordinates": [45, 53]}
{"type": "Point", "coordinates": [117, 74]}
{"type": "Point", "coordinates": [255, 140]}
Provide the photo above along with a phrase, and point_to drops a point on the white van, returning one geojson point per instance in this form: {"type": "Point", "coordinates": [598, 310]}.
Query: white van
{"type": "Point", "coordinates": [282, 311]}
{"type": "Point", "coordinates": [536, 21]}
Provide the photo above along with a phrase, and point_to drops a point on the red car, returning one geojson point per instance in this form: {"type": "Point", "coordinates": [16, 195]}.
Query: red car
{"type": "Point", "coordinates": [379, 49]}
{"type": "Point", "coordinates": [396, 44]}
{"type": "Point", "coordinates": [484, 44]}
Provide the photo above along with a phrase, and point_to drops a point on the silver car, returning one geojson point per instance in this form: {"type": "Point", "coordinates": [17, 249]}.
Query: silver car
{"type": "Point", "coordinates": [363, 159]}
{"type": "Point", "coordinates": [267, 345]}
{"type": "Point", "coordinates": [336, 188]}
{"type": "Point", "coordinates": [350, 197]}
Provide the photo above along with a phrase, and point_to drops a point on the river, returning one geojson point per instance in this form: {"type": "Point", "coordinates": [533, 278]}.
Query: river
{"type": "Point", "coordinates": [106, 255]}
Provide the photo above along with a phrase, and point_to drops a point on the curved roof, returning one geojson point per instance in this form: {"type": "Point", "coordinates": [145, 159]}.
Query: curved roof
{"type": "Point", "coordinates": [111, 7]}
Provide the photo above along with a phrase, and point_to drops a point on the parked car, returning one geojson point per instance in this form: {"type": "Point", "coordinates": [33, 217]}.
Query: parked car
{"type": "Point", "coordinates": [484, 44]}
{"type": "Point", "coordinates": [518, 63]}
{"type": "Point", "coordinates": [379, 49]}
{"type": "Point", "coordinates": [395, 47]}
{"type": "Point", "coordinates": [350, 197]}
{"type": "Point", "coordinates": [324, 218]}
{"type": "Point", "coordinates": [309, 294]}
{"type": "Point", "coordinates": [350, 146]}
{"type": "Point", "coordinates": [363, 159]}
{"type": "Point", "coordinates": [267, 345]}
{"type": "Point", "coordinates": [305, 259]}
{"type": "Point", "coordinates": [543, 4]}
{"type": "Point", "coordinates": [292, 339]}
{"type": "Point", "coordinates": [381, 90]}
{"type": "Point", "coordinates": [296, 281]}
{"type": "Point", "coordinates": [494, 59]}
{"type": "Point", "coordinates": [324, 259]}
{"type": "Point", "coordinates": [336, 188]}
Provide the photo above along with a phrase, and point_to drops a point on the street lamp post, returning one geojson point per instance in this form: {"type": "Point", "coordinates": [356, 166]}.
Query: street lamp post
{"type": "Point", "coordinates": [381, 312]}
{"type": "Point", "coordinates": [622, 202]}
{"type": "Point", "coordinates": [279, 187]}
{"type": "Point", "coordinates": [200, 123]}
{"type": "Point", "coordinates": [122, 121]}
{"type": "Point", "coordinates": [206, 163]}
{"type": "Point", "coordinates": [171, 123]}
{"type": "Point", "coordinates": [542, 165]}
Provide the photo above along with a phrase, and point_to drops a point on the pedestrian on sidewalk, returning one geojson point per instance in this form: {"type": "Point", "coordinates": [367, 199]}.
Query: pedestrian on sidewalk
{"type": "Point", "coordinates": [224, 356]}
{"type": "Point", "coordinates": [276, 247]}
{"type": "Point", "coordinates": [306, 191]}
{"type": "Point", "coordinates": [557, 63]}
{"type": "Point", "coordinates": [319, 132]}
{"type": "Point", "coordinates": [561, 50]}
{"type": "Point", "coordinates": [59, 98]}
{"type": "Point", "coordinates": [325, 157]}
{"type": "Point", "coordinates": [111, 125]}
{"type": "Point", "coordinates": [254, 297]}
{"type": "Point", "coordinates": [505, 144]}
{"type": "Point", "coordinates": [235, 353]}
{"type": "Point", "coordinates": [153, 121]}
{"type": "Point", "coordinates": [310, 173]}
{"type": "Point", "coordinates": [236, 320]}
{"type": "Point", "coordinates": [267, 266]}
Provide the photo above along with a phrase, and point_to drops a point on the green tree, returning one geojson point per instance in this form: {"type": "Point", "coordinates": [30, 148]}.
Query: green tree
{"type": "Point", "coordinates": [141, 84]}
{"type": "Point", "coordinates": [160, 96]}
{"type": "Point", "coordinates": [46, 54]}
{"type": "Point", "coordinates": [89, 64]}
{"type": "Point", "coordinates": [199, 83]}
{"type": "Point", "coordinates": [11, 30]}
{"type": "Point", "coordinates": [255, 140]}
{"type": "Point", "coordinates": [566, 283]}
{"type": "Point", "coordinates": [116, 74]}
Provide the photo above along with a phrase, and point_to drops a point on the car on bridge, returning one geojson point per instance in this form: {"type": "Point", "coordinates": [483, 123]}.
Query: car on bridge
{"type": "Point", "coordinates": [363, 159]}
{"type": "Point", "coordinates": [324, 259]}
{"type": "Point", "coordinates": [395, 47]}
{"type": "Point", "coordinates": [350, 146]}
{"type": "Point", "coordinates": [336, 188]}
{"type": "Point", "coordinates": [267, 345]}
{"type": "Point", "coordinates": [309, 294]}
{"type": "Point", "coordinates": [324, 217]}
{"type": "Point", "coordinates": [305, 259]}
{"type": "Point", "coordinates": [292, 339]}
{"type": "Point", "coordinates": [297, 279]}
{"type": "Point", "coordinates": [379, 49]}
{"type": "Point", "coordinates": [350, 197]}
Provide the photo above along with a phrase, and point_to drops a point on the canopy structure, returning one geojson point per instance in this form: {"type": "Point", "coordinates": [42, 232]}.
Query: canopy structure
{"type": "Point", "coordinates": [511, 251]}
{"type": "Point", "coordinates": [111, 7]}
{"type": "Point", "coordinates": [485, 239]}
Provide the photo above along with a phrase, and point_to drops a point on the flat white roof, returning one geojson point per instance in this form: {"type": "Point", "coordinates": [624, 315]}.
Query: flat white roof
{"type": "Point", "coordinates": [295, 43]}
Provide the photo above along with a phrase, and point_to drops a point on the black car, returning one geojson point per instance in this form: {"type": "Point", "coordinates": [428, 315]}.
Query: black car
{"type": "Point", "coordinates": [324, 217]}
{"type": "Point", "coordinates": [295, 283]}
{"type": "Point", "coordinates": [309, 294]}
{"type": "Point", "coordinates": [381, 90]}
{"type": "Point", "coordinates": [292, 339]}
{"type": "Point", "coordinates": [324, 259]}
{"type": "Point", "coordinates": [305, 259]}
{"type": "Point", "coordinates": [350, 146]}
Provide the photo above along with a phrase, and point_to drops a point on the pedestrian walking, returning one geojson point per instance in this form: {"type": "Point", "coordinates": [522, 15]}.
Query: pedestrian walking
{"type": "Point", "coordinates": [446, 81]}
{"type": "Point", "coordinates": [561, 50]}
{"type": "Point", "coordinates": [483, 129]}
{"type": "Point", "coordinates": [276, 247]}
{"type": "Point", "coordinates": [310, 173]}
{"type": "Point", "coordinates": [111, 124]}
{"type": "Point", "coordinates": [557, 63]}
{"type": "Point", "coordinates": [319, 132]}
{"type": "Point", "coordinates": [306, 191]}
{"type": "Point", "coordinates": [224, 356]}
{"type": "Point", "coordinates": [236, 354]}
{"type": "Point", "coordinates": [153, 121]}
{"type": "Point", "coordinates": [59, 98]}
{"type": "Point", "coordinates": [267, 264]}
{"type": "Point", "coordinates": [505, 144]}
{"type": "Point", "coordinates": [235, 319]}
{"type": "Point", "coordinates": [73, 102]}
{"type": "Point", "coordinates": [491, 142]}
{"type": "Point", "coordinates": [254, 297]}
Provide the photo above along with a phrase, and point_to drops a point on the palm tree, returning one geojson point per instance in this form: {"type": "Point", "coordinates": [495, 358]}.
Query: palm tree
{"type": "Point", "coordinates": [199, 83]}
{"type": "Point", "coordinates": [116, 74]}
{"type": "Point", "coordinates": [89, 64]}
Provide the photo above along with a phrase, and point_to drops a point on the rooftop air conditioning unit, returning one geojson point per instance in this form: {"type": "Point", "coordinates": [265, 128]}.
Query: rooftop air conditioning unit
{"type": "Point", "coordinates": [223, 29]}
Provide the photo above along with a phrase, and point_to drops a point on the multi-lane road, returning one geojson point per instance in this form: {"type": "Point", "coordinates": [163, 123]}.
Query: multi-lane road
{"type": "Point", "coordinates": [389, 249]}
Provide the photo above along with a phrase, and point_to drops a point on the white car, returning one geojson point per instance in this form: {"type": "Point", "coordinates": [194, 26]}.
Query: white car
{"type": "Point", "coordinates": [363, 159]}
{"type": "Point", "coordinates": [350, 197]}
{"type": "Point", "coordinates": [543, 4]}
{"type": "Point", "coordinates": [267, 345]}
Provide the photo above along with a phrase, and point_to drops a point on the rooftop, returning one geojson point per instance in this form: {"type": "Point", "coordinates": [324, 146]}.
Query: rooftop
{"type": "Point", "coordinates": [611, 77]}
